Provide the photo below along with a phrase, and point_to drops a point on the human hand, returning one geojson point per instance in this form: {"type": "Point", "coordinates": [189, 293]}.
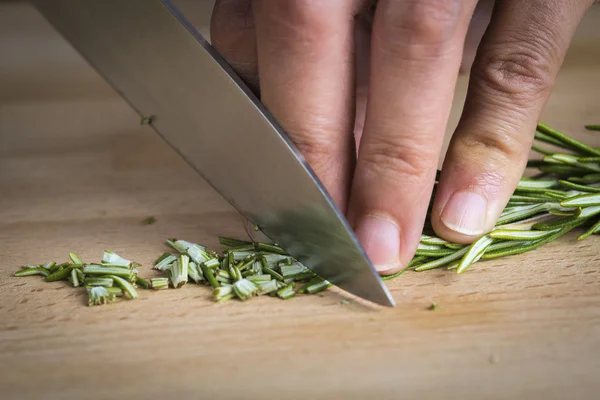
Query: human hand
{"type": "Point", "coordinates": [327, 76]}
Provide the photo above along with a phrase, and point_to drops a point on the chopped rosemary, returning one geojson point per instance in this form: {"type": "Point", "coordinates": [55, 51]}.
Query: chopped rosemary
{"type": "Point", "coordinates": [159, 283]}
{"type": "Point", "coordinates": [113, 259]}
{"type": "Point", "coordinates": [178, 272]}
{"type": "Point", "coordinates": [147, 120]}
{"type": "Point", "coordinates": [542, 209]}
{"type": "Point", "coordinates": [98, 281]}
{"type": "Point", "coordinates": [33, 271]}
{"type": "Point", "coordinates": [148, 221]}
{"type": "Point", "coordinates": [99, 295]}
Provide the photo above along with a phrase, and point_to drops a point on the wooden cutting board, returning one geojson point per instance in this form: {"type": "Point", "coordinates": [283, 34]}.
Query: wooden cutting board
{"type": "Point", "coordinates": [78, 173]}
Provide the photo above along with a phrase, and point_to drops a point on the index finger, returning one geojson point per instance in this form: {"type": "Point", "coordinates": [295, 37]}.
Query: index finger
{"type": "Point", "coordinates": [306, 74]}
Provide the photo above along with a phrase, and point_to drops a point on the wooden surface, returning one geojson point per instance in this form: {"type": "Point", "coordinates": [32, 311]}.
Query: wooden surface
{"type": "Point", "coordinates": [78, 173]}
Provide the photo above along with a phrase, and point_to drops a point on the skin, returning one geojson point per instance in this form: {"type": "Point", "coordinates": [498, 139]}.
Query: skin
{"type": "Point", "coordinates": [366, 97]}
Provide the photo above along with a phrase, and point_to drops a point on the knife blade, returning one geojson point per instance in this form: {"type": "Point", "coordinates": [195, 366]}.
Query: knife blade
{"type": "Point", "coordinates": [157, 61]}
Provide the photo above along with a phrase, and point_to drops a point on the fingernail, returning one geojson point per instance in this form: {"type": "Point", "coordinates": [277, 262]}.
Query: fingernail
{"type": "Point", "coordinates": [380, 237]}
{"type": "Point", "coordinates": [465, 213]}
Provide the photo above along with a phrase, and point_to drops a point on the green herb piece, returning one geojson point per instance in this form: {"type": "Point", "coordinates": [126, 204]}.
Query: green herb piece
{"type": "Point", "coordinates": [33, 271]}
{"type": "Point", "coordinates": [98, 295]}
{"type": "Point", "coordinates": [148, 221]}
{"type": "Point", "coordinates": [474, 253]}
{"type": "Point", "coordinates": [244, 289]}
{"type": "Point", "coordinates": [290, 271]}
{"type": "Point", "coordinates": [49, 265]}
{"type": "Point", "coordinates": [441, 262]}
{"type": "Point", "coordinates": [541, 150]}
{"type": "Point", "coordinates": [592, 127]}
{"type": "Point", "coordinates": [141, 282]}
{"type": "Point", "coordinates": [433, 307]}
{"type": "Point", "coordinates": [194, 272]}
{"type": "Point", "coordinates": [528, 183]}
{"type": "Point", "coordinates": [271, 248]}
{"type": "Point", "coordinates": [286, 292]}
{"type": "Point", "coordinates": [590, 178]}
{"type": "Point", "coordinates": [223, 293]}
{"type": "Point", "coordinates": [178, 272]}
{"type": "Point", "coordinates": [125, 285]}
{"type": "Point", "coordinates": [435, 253]}
{"type": "Point", "coordinates": [584, 200]}
{"type": "Point", "coordinates": [594, 229]}
{"type": "Point", "coordinates": [266, 287]}
{"type": "Point", "coordinates": [159, 283]}
{"type": "Point", "coordinates": [75, 258]}
{"type": "Point", "coordinates": [147, 120]}
{"type": "Point", "coordinates": [574, 161]}
{"type": "Point", "coordinates": [198, 253]}
{"type": "Point", "coordinates": [118, 292]}
{"type": "Point", "coordinates": [74, 277]}
{"type": "Point", "coordinates": [114, 259]}
{"type": "Point", "coordinates": [317, 286]}
{"type": "Point", "coordinates": [550, 140]}
{"type": "Point", "coordinates": [225, 241]}
{"type": "Point", "coordinates": [98, 281]}
{"type": "Point", "coordinates": [102, 270]}
{"type": "Point", "coordinates": [256, 228]}
{"type": "Point", "coordinates": [567, 140]}
{"type": "Point", "coordinates": [59, 275]}
{"type": "Point", "coordinates": [510, 234]}
{"type": "Point", "coordinates": [212, 263]}
{"type": "Point", "coordinates": [208, 275]}
{"type": "Point", "coordinates": [163, 263]}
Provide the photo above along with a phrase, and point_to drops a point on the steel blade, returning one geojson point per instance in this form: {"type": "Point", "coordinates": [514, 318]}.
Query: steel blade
{"type": "Point", "coordinates": [164, 68]}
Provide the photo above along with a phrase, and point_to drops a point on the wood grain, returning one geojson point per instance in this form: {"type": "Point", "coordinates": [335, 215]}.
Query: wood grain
{"type": "Point", "coordinates": [78, 173]}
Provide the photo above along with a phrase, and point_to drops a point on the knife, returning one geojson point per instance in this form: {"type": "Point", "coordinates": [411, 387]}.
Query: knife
{"type": "Point", "coordinates": [157, 61]}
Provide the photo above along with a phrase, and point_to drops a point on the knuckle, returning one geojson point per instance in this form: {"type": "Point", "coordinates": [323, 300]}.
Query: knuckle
{"type": "Point", "coordinates": [311, 16]}
{"type": "Point", "coordinates": [405, 163]}
{"type": "Point", "coordinates": [521, 65]}
{"type": "Point", "coordinates": [421, 22]}
{"type": "Point", "coordinates": [318, 146]}
{"type": "Point", "coordinates": [501, 148]}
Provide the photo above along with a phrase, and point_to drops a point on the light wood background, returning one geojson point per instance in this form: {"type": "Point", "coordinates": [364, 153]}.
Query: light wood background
{"type": "Point", "coordinates": [78, 173]}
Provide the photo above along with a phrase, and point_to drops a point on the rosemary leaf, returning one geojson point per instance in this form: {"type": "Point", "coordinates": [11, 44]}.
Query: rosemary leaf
{"type": "Point", "coordinates": [125, 285]}
{"type": "Point", "coordinates": [594, 229]}
{"type": "Point", "coordinates": [102, 270]}
{"type": "Point", "coordinates": [99, 295]}
{"type": "Point", "coordinates": [584, 200]}
{"type": "Point", "coordinates": [435, 253]}
{"type": "Point", "coordinates": [440, 262]}
{"type": "Point", "coordinates": [75, 258]}
{"type": "Point", "coordinates": [98, 281]}
{"type": "Point", "coordinates": [244, 289]}
{"type": "Point", "coordinates": [225, 241]}
{"type": "Point", "coordinates": [567, 140]}
{"type": "Point", "coordinates": [178, 272]}
{"type": "Point", "coordinates": [163, 263]}
{"type": "Point", "coordinates": [509, 234]}
{"type": "Point", "coordinates": [223, 293]}
{"type": "Point", "coordinates": [159, 283]}
{"type": "Point", "coordinates": [592, 127]}
{"type": "Point", "coordinates": [474, 253]}
{"type": "Point", "coordinates": [74, 277]}
{"type": "Point", "coordinates": [142, 283]}
{"type": "Point", "coordinates": [113, 259]}
{"type": "Point", "coordinates": [33, 271]}
{"type": "Point", "coordinates": [208, 275]}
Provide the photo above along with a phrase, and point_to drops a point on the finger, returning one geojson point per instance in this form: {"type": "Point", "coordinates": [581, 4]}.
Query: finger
{"type": "Point", "coordinates": [232, 33]}
{"type": "Point", "coordinates": [416, 51]}
{"type": "Point", "coordinates": [510, 82]}
{"type": "Point", "coordinates": [306, 67]}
